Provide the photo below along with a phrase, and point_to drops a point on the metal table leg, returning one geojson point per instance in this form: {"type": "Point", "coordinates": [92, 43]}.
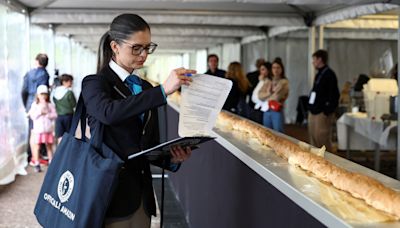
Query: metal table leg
{"type": "Point", "coordinates": [347, 142]}
{"type": "Point", "coordinates": [377, 158]}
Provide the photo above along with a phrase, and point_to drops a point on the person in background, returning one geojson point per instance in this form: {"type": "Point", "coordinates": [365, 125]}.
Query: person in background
{"type": "Point", "coordinates": [65, 101]}
{"type": "Point", "coordinates": [126, 106]}
{"type": "Point", "coordinates": [56, 80]}
{"type": "Point", "coordinates": [254, 78]}
{"type": "Point", "coordinates": [240, 85]}
{"type": "Point", "coordinates": [261, 106]}
{"type": "Point", "coordinates": [394, 72]}
{"type": "Point", "coordinates": [212, 62]}
{"type": "Point", "coordinates": [43, 114]}
{"type": "Point", "coordinates": [345, 98]}
{"type": "Point", "coordinates": [275, 91]}
{"type": "Point", "coordinates": [32, 79]}
{"type": "Point", "coordinates": [357, 95]}
{"type": "Point", "coordinates": [323, 101]}
{"type": "Point", "coordinates": [359, 84]}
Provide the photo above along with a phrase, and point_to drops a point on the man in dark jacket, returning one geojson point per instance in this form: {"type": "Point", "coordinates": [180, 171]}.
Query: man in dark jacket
{"type": "Point", "coordinates": [212, 62]}
{"type": "Point", "coordinates": [34, 78]}
{"type": "Point", "coordinates": [323, 101]}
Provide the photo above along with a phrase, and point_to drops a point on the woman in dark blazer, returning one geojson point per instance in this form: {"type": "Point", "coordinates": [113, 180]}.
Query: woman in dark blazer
{"type": "Point", "coordinates": [129, 115]}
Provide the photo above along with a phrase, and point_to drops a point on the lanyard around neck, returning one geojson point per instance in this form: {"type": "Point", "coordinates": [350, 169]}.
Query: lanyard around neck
{"type": "Point", "coordinates": [320, 75]}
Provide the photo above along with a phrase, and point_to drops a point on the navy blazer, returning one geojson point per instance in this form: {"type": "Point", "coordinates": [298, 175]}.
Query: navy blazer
{"type": "Point", "coordinates": [109, 100]}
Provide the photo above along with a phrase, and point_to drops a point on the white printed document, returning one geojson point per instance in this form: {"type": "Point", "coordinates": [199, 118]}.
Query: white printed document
{"type": "Point", "coordinates": [201, 103]}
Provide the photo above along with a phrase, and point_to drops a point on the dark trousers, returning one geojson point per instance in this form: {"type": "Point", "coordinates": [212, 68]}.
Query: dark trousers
{"type": "Point", "coordinates": [256, 115]}
{"type": "Point", "coordinates": [243, 108]}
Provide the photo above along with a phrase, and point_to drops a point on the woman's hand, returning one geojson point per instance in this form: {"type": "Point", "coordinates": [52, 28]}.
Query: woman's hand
{"type": "Point", "coordinates": [177, 78]}
{"type": "Point", "coordinates": [179, 154]}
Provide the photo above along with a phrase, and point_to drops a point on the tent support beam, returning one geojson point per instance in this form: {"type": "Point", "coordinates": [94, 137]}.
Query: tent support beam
{"type": "Point", "coordinates": [398, 104]}
{"type": "Point", "coordinates": [43, 6]}
{"type": "Point", "coordinates": [321, 37]}
{"type": "Point", "coordinates": [311, 50]}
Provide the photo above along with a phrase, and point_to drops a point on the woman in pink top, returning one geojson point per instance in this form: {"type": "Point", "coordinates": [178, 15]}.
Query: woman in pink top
{"type": "Point", "coordinates": [43, 114]}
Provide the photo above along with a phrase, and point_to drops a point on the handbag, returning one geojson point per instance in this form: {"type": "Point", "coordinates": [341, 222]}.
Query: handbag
{"type": "Point", "coordinates": [275, 105]}
{"type": "Point", "coordinates": [80, 180]}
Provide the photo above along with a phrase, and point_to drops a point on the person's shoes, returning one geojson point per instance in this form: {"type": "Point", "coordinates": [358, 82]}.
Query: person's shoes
{"type": "Point", "coordinates": [32, 163]}
{"type": "Point", "coordinates": [37, 168]}
{"type": "Point", "coordinates": [43, 161]}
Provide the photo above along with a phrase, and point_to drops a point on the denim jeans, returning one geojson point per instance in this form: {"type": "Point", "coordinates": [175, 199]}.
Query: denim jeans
{"type": "Point", "coordinates": [273, 120]}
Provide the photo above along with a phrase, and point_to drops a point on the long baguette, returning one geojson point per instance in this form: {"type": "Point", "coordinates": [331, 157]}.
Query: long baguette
{"type": "Point", "coordinates": [360, 186]}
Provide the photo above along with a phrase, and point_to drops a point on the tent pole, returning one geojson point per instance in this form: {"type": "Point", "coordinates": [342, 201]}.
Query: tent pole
{"type": "Point", "coordinates": [266, 43]}
{"type": "Point", "coordinates": [398, 102]}
{"type": "Point", "coordinates": [311, 50]}
{"type": "Point", "coordinates": [321, 37]}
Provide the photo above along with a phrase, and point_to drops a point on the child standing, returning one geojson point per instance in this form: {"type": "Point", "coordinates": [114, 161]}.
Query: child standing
{"type": "Point", "coordinates": [65, 102]}
{"type": "Point", "coordinates": [42, 114]}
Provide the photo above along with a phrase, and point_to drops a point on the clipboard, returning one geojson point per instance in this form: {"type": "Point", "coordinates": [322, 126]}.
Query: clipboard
{"type": "Point", "coordinates": [164, 149]}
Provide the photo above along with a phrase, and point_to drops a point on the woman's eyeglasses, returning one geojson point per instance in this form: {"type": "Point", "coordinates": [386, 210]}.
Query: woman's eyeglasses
{"type": "Point", "coordinates": [138, 49]}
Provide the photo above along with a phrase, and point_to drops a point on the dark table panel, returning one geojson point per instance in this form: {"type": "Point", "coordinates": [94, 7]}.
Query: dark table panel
{"type": "Point", "coordinates": [216, 189]}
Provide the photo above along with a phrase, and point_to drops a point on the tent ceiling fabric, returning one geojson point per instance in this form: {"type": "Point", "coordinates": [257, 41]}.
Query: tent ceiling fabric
{"type": "Point", "coordinates": [198, 24]}
{"type": "Point", "coordinates": [105, 17]}
{"type": "Point", "coordinates": [352, 12]}
{"type": "Point", "coordinates": [382, 34]}
{"type": "Point", "coordinates": [182, 30]}
{"type": "Point", "coordinates": [375, 23]}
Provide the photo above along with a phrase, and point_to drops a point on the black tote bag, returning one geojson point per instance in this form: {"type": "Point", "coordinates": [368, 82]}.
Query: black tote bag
{"type": "Point", "coordinates": [80, 180]}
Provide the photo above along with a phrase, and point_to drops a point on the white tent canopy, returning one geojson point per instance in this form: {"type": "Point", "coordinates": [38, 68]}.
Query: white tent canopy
{"type": "Point", "coordinates": [194, 19]}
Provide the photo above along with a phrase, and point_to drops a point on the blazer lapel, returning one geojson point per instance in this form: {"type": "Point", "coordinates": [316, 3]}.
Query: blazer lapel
{"type": "Point", "coordinates": [117, 84]}
{"type": "Point", "coordinates": [120, 87]}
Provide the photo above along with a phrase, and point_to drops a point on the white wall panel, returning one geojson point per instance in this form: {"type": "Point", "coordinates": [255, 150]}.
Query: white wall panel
{"type": "Point", "coordinates": [14, 54]}
{"type": "Point", "coordinates": [230, 52]}
{"type": "Point", "coordinates": [251, 52]}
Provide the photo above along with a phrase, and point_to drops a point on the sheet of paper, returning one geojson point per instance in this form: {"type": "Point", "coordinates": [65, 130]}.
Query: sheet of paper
{"type": "Point", "coordinates": [200, 104]}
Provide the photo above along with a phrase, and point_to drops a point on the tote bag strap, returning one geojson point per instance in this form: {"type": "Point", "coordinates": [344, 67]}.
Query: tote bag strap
{"type": "Point", "coordinates": [80, 115]}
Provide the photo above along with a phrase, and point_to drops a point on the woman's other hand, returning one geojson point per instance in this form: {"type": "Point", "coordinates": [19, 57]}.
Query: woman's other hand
{"type": "Point", "coordinates": [177, 78]}
{"type": "Point", "coordinates": [179, 154]}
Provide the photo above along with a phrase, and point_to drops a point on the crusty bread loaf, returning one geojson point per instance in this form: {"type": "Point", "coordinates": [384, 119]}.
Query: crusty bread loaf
{"type": "Point", "coordinates": [359, 186]}
{"type": "Point", "coordinates": [363, 187]}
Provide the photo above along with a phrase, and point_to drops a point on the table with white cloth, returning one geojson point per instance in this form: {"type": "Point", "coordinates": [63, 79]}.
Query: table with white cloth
{"type": "Point", "coordinates": [355, 131]}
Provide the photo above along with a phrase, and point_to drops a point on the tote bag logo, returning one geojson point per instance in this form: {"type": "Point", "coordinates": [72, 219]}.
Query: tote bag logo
{"type": "Point", "coordinates": [65, 186]}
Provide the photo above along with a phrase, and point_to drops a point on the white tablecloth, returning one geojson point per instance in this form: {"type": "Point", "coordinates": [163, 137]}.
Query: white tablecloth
{"type": "Point", "coordinates": [364, 133]}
